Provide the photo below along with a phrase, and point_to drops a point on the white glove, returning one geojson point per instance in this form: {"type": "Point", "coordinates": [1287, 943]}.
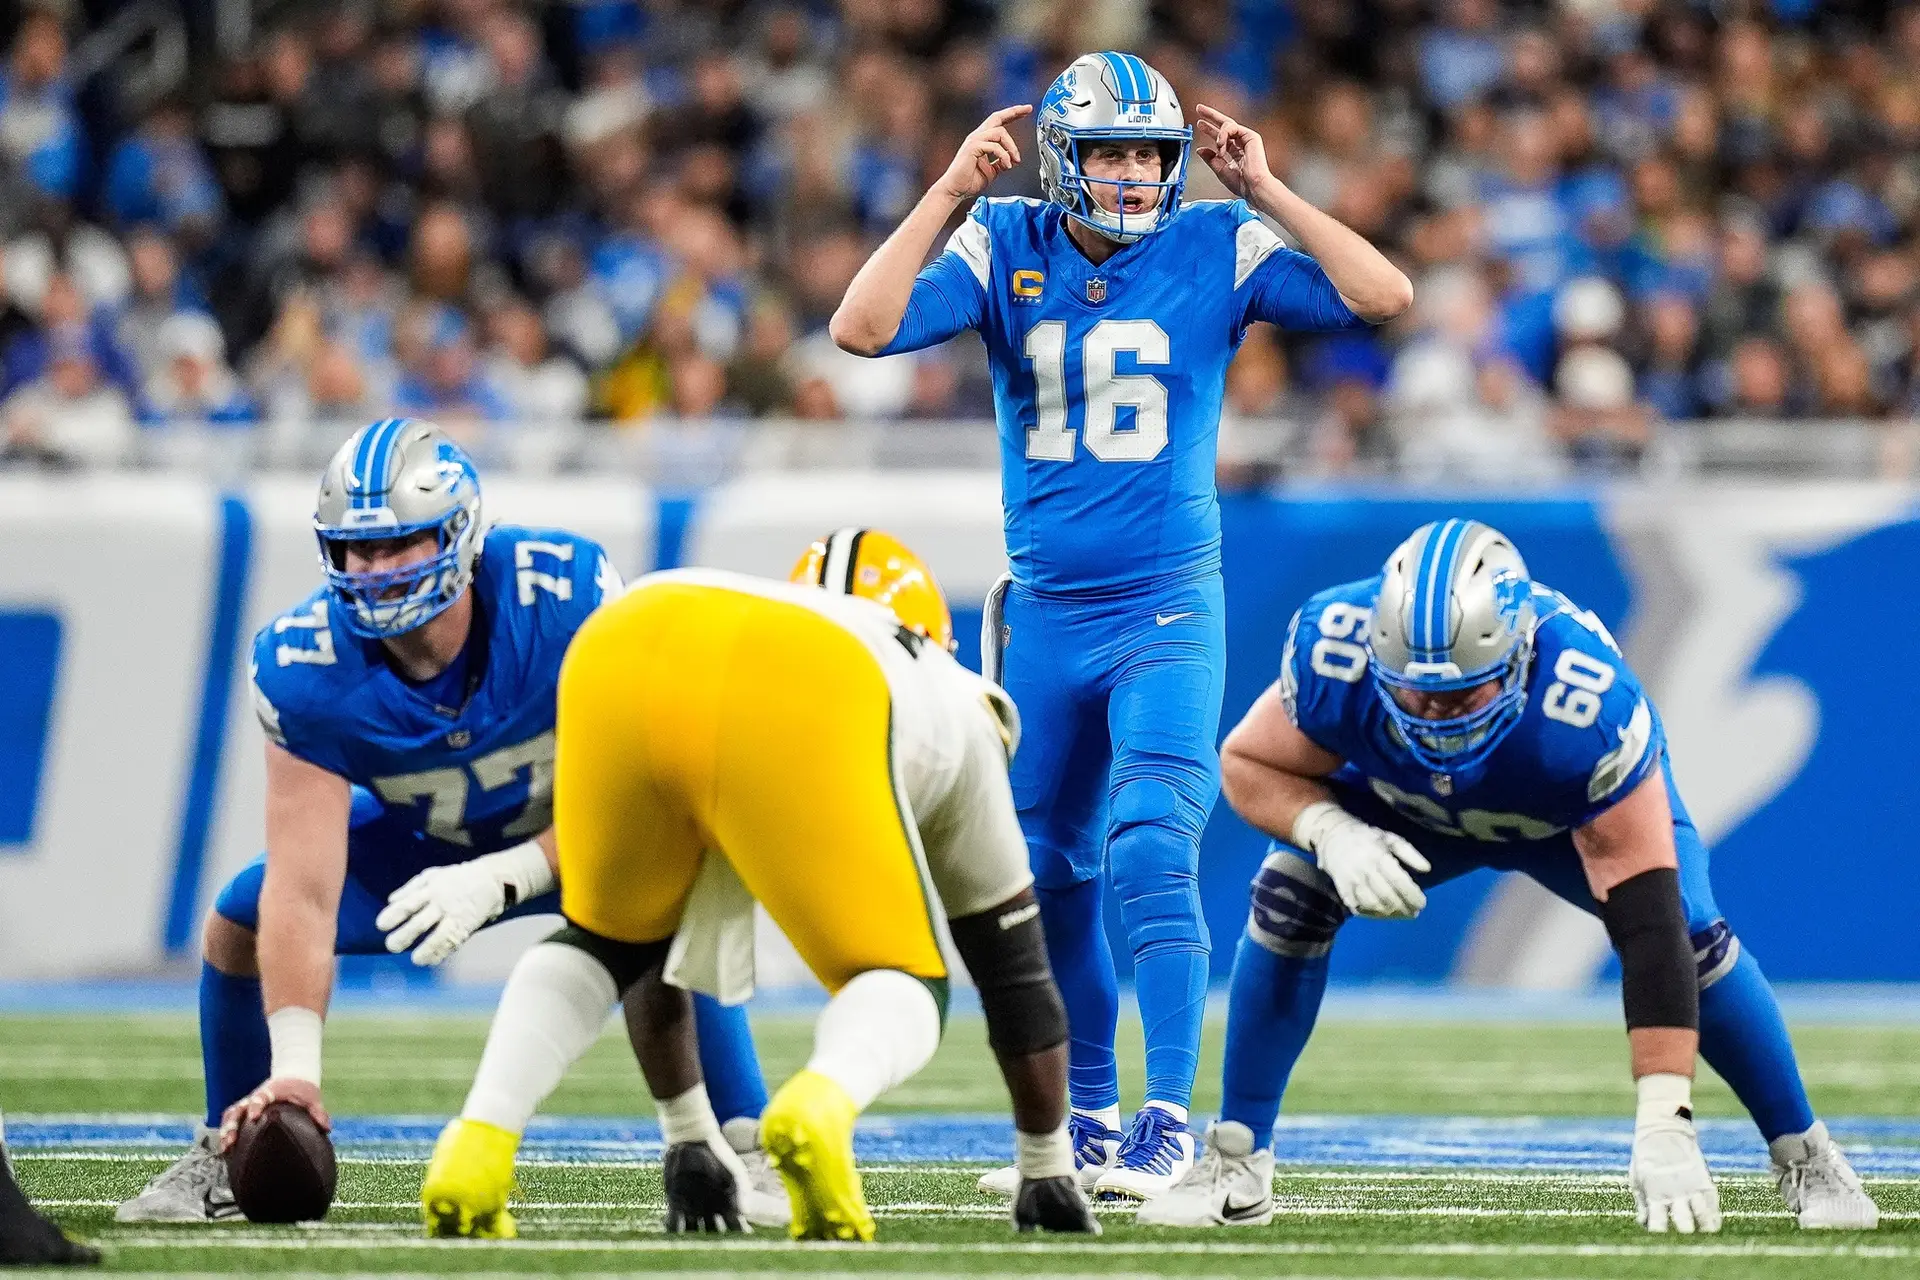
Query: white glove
{"type": "Point", "coordinates": [1368, 866]}
{"type": "Point", "coordinates": [456, 902]}
{"type": "Point", "coordinates": [1669, 1175]}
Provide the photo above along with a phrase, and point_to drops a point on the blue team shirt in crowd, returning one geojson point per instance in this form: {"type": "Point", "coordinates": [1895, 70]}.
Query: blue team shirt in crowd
{"type": "Point", "coordinates": [1586, 738]}
{"type": "Point", "coordinates": [1108, 379]}
{"type": "Point", "coordinates": [470, 770]}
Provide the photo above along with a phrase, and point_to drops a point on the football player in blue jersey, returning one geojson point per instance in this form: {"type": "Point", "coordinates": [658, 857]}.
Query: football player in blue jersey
{"type": "Point", "coordinates": [1110, 311]}
{"type": "Point", "coordinates": [409, 710]}
{"type": "Point", "coordinates": [1451, 714]}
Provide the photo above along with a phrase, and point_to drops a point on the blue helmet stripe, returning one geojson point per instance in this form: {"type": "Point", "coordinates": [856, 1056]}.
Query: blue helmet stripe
{"type": "Point", "coordinates": [1126, 80]}
{"type": "Point", "coordinates": [1141, 78]}
{"type": "Point", "coordinates": [360, 464]}
{"type": "Point", "coordinates": [1431, 590]}
{"type": "Point", "coordinates": [380, 461]}
{"type": "Point", "coordinates": [1449, 566]}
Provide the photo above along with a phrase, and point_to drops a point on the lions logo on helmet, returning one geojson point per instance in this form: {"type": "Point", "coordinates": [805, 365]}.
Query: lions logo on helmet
{"type": "Point", "coordinates": [1455, 612]}
{"type": "Point", "coordinates": [1111, 97]}
{"type": "Point", "coordinates": [877, 566]}
{"type": "Point", "coordinates": [392, 480]}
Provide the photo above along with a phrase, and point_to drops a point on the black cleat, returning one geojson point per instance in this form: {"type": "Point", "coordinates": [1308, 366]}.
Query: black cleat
{"type": "Point", "coordinates": [29, 1240]}
{"type": "Point", "coordinates": [1053, 1204]}
{"type": "Point", "coordinates": [701, 1195]}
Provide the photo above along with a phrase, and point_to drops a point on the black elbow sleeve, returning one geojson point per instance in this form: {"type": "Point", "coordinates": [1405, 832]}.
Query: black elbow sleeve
{"type": "Point", "coordinates": [1648, 926]}
{"type": "Point", "coordinates": [1005, 951]}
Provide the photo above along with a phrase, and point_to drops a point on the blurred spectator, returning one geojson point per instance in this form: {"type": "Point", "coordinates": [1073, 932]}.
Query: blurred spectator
{"type": "Point", "coordinates": [160, 176]}
{"type": "Point", "coordinates": [515, 125]}
{"type": "Point", "coordinates": [1669, 374]}
{"type": "Point", "coordinates": [1258, 419]}
{"type": "Point", "coordinates": [1760, 381]}
{"type": "Point", "coordinates": [67, 324]}
{"type": "Point", "coordinates": [759, 375]}
{"type": "Point", "coordinates": [539, 387]}
{"type": "Point", "coordinates": [42, 147]}
{"type": "Point", "coordinates": [1461, 58]}
{"type": "Point", "coordinates": [68, 414]}
{"type": "Point", "coordinates": [156, 293]}
{"type": "Point", "coordinates": [699, 387]}
{"type": "Point", "coordinates": [442, 379]}
{"type": "Point", "coordinates": [192, 382]}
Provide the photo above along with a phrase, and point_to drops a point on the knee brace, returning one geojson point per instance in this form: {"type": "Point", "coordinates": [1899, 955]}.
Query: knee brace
{"type": "Point", "coordinates": [1006, 952]}
{"type": "Point", "coordinates": [626, 962]}
{"type": "Point", "coordinates": [1296, 910]}
{"type": "Point", "coordinates": [1153, 851]}
{"type": "Point", "coordinates": [1715, 952]}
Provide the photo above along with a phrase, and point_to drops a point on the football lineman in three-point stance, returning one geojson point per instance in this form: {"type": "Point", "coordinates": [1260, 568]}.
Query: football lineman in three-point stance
{"type": "Point", "coordinates": [726, 740]}
{"type": "Point", "coordinates": [409, 711]}
{"type": "Point", "coordinates": [1449, 714]}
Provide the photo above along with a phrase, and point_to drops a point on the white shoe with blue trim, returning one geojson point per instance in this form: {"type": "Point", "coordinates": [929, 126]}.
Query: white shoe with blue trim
{"type": "Point", "coordinates": [1157, 1152]}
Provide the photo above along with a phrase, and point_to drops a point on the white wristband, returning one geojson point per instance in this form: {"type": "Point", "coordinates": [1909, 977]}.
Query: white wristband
{"type": "Point", "coordinates": [1315, 821]}
{"type": "Point", "coordinates": [687, 1117]}
{"type": "Point", "coordinates": [523, 868]}
{"type": "Point", "coordinates": [1043, 1155]}
{"type": "Point", "coordinates": [295, 1034]}
{"type": "Point", "coordinates": [1663, 1096]}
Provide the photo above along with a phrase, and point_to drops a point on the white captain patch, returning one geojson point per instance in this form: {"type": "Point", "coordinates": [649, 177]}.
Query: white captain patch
{"type": "Point", "coordinates": [1252, 244]}
{"type": "Point", "coordinates": [1618, 765]}
{"type": "Point", "coordinates": [974, 247]}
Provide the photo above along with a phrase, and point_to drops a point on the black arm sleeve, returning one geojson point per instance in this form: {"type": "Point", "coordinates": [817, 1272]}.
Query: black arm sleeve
{"type": "Point", "coordinates": [1648, 927]}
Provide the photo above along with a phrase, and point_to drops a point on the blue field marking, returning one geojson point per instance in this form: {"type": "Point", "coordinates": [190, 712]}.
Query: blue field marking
{"type": "Point", "coordinates": [1877, 1147]}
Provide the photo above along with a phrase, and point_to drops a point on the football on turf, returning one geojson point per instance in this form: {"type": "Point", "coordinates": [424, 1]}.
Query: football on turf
{"type": "Point", "coordinates": [281, 1167]}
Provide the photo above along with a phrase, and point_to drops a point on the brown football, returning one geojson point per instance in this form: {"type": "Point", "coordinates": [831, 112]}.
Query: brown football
{"type": "Point", "coordinates": [281, 1167]}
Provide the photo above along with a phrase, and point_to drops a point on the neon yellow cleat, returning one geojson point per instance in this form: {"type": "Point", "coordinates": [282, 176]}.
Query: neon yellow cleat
{"type": "Point", "coordinates": [808, 1132]}
{"type": "Point", "coordinates": [468, 1182]}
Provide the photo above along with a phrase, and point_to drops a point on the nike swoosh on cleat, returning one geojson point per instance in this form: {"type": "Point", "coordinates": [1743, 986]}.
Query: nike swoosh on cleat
{"type": "Point", "coordinates": [1162, 619]}
{"type": "Point", "coordinates": [1229, 1209]}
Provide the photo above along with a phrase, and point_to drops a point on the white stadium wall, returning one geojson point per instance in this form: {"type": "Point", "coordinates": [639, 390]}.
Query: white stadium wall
{"type": "Point", "coordinates": [1775, 626]}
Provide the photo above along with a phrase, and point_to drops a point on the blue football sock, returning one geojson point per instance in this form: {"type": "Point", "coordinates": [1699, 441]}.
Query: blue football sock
{"type": "Point", "coordinates": [1744, 1038]}
{"type": "Point", "coordinates": [234, 1050]}
{"type": "Point", "coordinates": [1083, 968]}
{"type": "Point", "coordinates": [728, 1061]}
{"type": "Point", "coordinates": [1160, 902]}
{"type": "Point", "coordinates": [1272, 1006]}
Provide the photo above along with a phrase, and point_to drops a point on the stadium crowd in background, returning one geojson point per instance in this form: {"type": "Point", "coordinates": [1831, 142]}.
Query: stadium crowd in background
{"type": "Point", "coordinates": [1621, 216]}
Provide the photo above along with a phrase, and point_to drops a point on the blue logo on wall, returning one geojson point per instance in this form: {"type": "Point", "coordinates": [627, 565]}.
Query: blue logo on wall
{"type": "Point", "coordinates": [31, 645]}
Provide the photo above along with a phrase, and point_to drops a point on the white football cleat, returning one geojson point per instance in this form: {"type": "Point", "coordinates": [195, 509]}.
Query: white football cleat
{"type": "Point", "coordinates": [1094, 1149]}
{"type": "Point", "coordinates": [763, 1200]}
{"type": "Point", "coordinates": [1157, 1152]}
{"type": "Point", "coordinates": [1230, 1185]}
{"type": "Point", "coordinates": [192, 1189]}
{"type": "Point", "coordinates": [1821, 1189]}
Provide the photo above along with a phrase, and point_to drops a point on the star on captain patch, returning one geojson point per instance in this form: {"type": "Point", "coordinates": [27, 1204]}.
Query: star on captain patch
{"type": "Point", "coordinates": [1442, 784]}
{"type": "Point", "coordinates": [1096, 289]}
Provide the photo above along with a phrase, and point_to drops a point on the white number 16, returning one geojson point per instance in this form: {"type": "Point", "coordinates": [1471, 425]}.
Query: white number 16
{"type": "Point", "coordinates": [1105, 391]}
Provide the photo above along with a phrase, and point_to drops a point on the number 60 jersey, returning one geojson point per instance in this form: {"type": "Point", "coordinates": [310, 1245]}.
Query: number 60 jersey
{"type": "Point", "coordinates": [1107, 379]}
{"type": "Point", "coordinates": [1586, 738]}
{"type": "Point", "coordinates": [461, 766]}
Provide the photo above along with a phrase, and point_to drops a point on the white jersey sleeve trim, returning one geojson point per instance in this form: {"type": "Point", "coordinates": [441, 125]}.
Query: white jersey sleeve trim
{"type": "Point", "coordinates": [1619, 764]}
{"type": "Point", "coordinates": [973, 246]}
{"type": "Point", "coordinates": [1252, 244]}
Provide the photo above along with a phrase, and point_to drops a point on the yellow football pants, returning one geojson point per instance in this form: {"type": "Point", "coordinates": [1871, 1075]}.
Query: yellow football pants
{"type": "Point", "coordinates": [694, 717]}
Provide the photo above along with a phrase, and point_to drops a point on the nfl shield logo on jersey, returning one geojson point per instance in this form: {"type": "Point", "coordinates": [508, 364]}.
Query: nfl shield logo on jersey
{"type": "Point", "coordinates": [1097, 290]}
{"type": "Point", "coordinates": [460, 739]}
{"type": "Point", "coordinates": [1442, 784]}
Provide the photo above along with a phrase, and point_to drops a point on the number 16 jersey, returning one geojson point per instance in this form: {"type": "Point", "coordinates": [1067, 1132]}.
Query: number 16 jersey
{"type": "Point", "coordinates": [1108, 379]}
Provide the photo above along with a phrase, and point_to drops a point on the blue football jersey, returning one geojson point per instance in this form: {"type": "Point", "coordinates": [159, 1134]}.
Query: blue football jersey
{"type": "Point", "coordinates": [1587, 737]}
{"type": "Point", "coordinates": [1108, 379]}
{"type": "Point", "coordinates": [469, 779]}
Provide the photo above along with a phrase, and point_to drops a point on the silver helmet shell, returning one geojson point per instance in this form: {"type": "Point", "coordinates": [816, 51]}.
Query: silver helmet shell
{"type": "Point", "coordinates": [1105, 97]}
{"type": "Point", "coordinates": [393, 479]}
{"type": "Point", "coordinates": [1455, 611]}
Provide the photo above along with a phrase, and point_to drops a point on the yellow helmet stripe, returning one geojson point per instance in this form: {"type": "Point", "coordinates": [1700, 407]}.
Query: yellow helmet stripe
{"type": "Point", "coordinates": [843, 556]}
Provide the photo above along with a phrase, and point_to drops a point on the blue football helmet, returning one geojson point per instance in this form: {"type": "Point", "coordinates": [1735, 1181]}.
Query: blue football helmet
{"type": "Point", "coordinates": [393, 479]}
{"type": "Point", "coordinates": [1455, 611]}
{"type": "Point", "coordinates": [1107, 97]}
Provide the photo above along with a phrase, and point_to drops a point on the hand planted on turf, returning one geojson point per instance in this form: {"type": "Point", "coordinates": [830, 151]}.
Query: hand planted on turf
{"type": "Point", "coordinates": [1369, 868]}
{"type": "Point", "coordinates": [453, 902]}
{"type": "Point", "coordinates": [1671, 1184]}
{"type": "Point", "coordinates": [1235, 153]}
{"type": "Point", "coordinates": [302, 1093]}
{"type": "Point", "coordinates": [988, 152]}
{"type": "Point", "coordinates": [1053, 1204]}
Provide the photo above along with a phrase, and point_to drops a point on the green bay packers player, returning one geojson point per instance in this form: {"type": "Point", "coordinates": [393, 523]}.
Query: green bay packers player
{"type": "Point", "coordinates": [726, 740]}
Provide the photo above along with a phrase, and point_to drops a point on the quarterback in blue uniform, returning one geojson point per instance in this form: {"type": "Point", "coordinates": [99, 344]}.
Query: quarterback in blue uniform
{"type": "Point", "coordinates": [1451, 714]}
{"type": "Point", "coordinates": [1110, 311]}
{"type": "Point", "coordinates": [409, 710]}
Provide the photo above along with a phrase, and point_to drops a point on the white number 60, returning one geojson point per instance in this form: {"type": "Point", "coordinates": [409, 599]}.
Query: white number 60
{"type": "Point", "coordinates": [1575, 697]}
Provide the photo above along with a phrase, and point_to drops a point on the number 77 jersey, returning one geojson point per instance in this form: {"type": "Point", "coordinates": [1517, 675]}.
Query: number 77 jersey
{"type": "Point", "coordinates": [463, 765]}
{"type": "Point", "coordinates": [1108, 379]}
